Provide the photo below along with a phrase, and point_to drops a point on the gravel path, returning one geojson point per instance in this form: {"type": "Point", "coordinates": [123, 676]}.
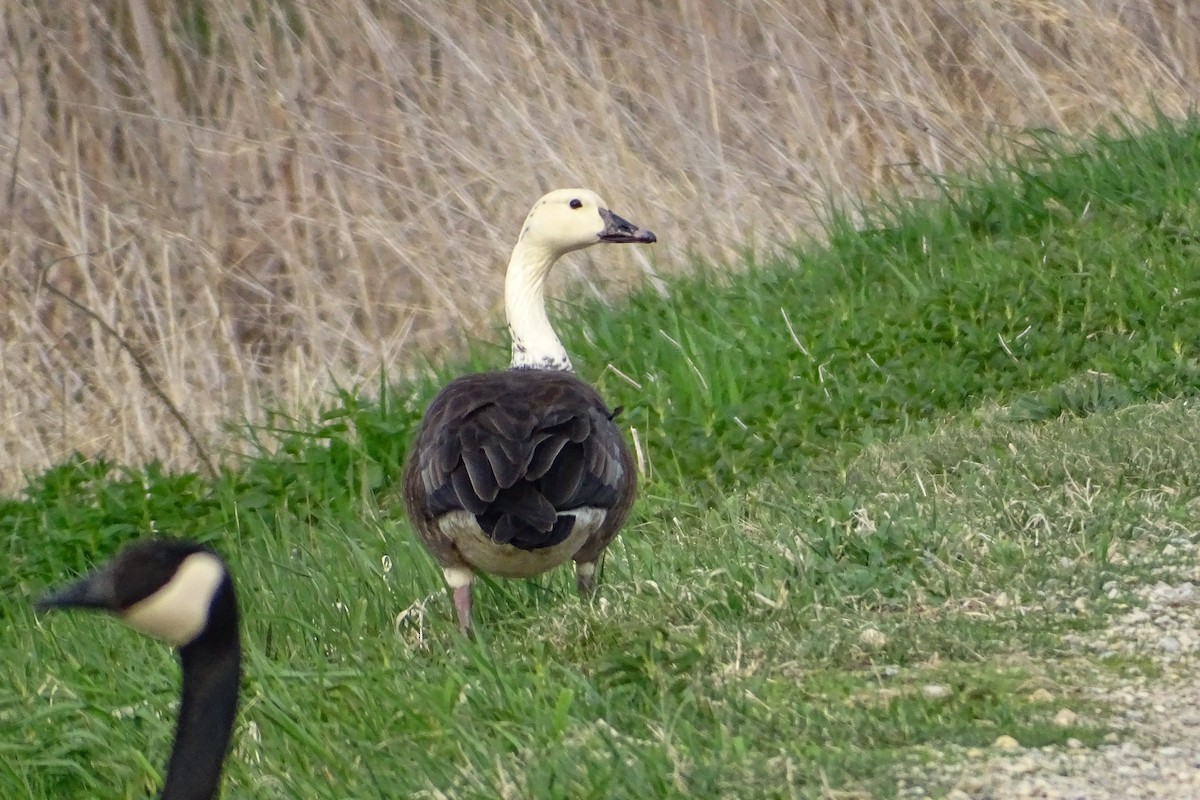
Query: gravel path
{"type": "Point", "coordinates": [1155, 752]}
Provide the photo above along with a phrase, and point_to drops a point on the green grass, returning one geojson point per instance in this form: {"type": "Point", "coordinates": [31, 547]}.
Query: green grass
{"type": "Point", "coordinates": [891, 461]}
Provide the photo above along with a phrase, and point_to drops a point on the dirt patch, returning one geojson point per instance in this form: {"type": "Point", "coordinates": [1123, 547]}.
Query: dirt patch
{"type": "Point", "coordinates": [1154, 751]}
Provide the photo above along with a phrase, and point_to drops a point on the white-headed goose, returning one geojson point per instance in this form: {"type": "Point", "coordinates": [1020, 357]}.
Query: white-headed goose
{"type": "Point", "coordinates": [515, 472]}
{"type": "Point", "coordinates": [180, 592]}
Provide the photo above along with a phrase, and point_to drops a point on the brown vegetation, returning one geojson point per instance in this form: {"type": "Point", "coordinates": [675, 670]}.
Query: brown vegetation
{"type": "Point", "coordinates": [253, 200]}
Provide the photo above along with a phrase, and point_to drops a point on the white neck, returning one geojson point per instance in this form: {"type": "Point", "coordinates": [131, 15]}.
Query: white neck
{"type": "Point", "coordinates": [535, 345]}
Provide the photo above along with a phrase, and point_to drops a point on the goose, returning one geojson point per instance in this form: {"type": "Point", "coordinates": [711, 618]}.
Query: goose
{"type": "Point", "coordinates": [180, 592]}
{"type": "Point", "coordinates": [514, 472]}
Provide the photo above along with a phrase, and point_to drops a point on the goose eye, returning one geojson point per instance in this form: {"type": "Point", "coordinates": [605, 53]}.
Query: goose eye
{"type": "Point", "coordinates": [576, 203]}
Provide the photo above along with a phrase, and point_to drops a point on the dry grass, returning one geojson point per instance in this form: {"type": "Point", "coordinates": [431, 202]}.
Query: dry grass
{"type": "Point", "coordinates": [258, 199]}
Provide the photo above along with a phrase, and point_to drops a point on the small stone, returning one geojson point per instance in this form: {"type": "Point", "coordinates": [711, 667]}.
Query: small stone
{"type": "Point", "coordinates": [935, 691]}
{"type": "Point", "coordinates": [1006, 742]}
{"type": "Point", "coordinates": [872, 638]}
{"type": "Point", "coordinates": [1041, 696]}
{"type": "Point", "coordinates": [1023, 765]}
{"type": "Point", "coordinates": [1065, 718]}
{"type": "Point", "coordinates": [1074, 744]}
{"type": "Point", "coordinates": [1168, 644]}
{"type": "Point", "coordinates": [957, 794]}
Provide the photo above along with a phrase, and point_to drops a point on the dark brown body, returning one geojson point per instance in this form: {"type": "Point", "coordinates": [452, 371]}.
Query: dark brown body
{"type": "Point", "coordinates": [499, 458]}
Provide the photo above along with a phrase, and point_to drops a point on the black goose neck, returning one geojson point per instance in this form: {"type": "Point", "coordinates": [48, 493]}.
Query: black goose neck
{"type": "Point", "coordinates": [212, 672]}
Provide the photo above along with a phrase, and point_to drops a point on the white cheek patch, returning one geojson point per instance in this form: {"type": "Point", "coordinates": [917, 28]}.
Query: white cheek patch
{"type": "Point", "coordinates": [178, 612]}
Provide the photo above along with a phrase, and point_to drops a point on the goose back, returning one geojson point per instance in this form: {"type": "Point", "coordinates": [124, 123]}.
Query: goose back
{"type": "Point", "coordinates": [518, 450]}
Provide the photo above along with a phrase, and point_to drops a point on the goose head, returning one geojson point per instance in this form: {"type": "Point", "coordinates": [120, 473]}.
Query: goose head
{"type": "Point", "coordinates": [560, 222]}
{"type": "Point", "coordinates": [572, 219]}
{"type": "Point", "coordinates": [182, 593]}
{"type": "Point", "coordinates": [162, 588]}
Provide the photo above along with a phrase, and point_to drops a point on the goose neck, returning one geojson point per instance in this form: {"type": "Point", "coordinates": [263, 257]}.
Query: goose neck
{"type": "Point", "coordinates": [535, 345]}
{"type": "Point", "coordinates": [212, 672]}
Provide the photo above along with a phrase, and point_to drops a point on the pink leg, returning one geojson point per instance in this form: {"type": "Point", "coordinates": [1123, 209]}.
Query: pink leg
{"type": "Point", "coordinates": [585, 578]}
{"type": "Point", "coordinates": [462, 605]}
{"type": "Point", "coordinates": [459, 580]}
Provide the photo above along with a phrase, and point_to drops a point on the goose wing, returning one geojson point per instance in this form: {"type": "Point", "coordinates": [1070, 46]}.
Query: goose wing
{"type": "Point", "coordinates": [516, 449]}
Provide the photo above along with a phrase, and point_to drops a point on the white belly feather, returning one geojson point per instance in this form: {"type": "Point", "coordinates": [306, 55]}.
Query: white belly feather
{"type": "Point", "coordinates": [478, 549]}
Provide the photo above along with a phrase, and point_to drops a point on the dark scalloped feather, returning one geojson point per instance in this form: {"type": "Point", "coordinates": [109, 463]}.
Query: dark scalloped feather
{"type": "Point", "coordinates": [515, 448]}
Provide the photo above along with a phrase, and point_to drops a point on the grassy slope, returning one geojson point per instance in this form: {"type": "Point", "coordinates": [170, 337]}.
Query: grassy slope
{"type": "Point", "coordinates": [944, 428]}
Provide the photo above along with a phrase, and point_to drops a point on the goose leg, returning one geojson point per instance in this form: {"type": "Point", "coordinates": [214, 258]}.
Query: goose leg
{"type": "Point", "coordinates": [585, 578]}
{"type": "Point", "coordinates": [459, 580]}
{"type": "Point", "coordinates": [462, 605]}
